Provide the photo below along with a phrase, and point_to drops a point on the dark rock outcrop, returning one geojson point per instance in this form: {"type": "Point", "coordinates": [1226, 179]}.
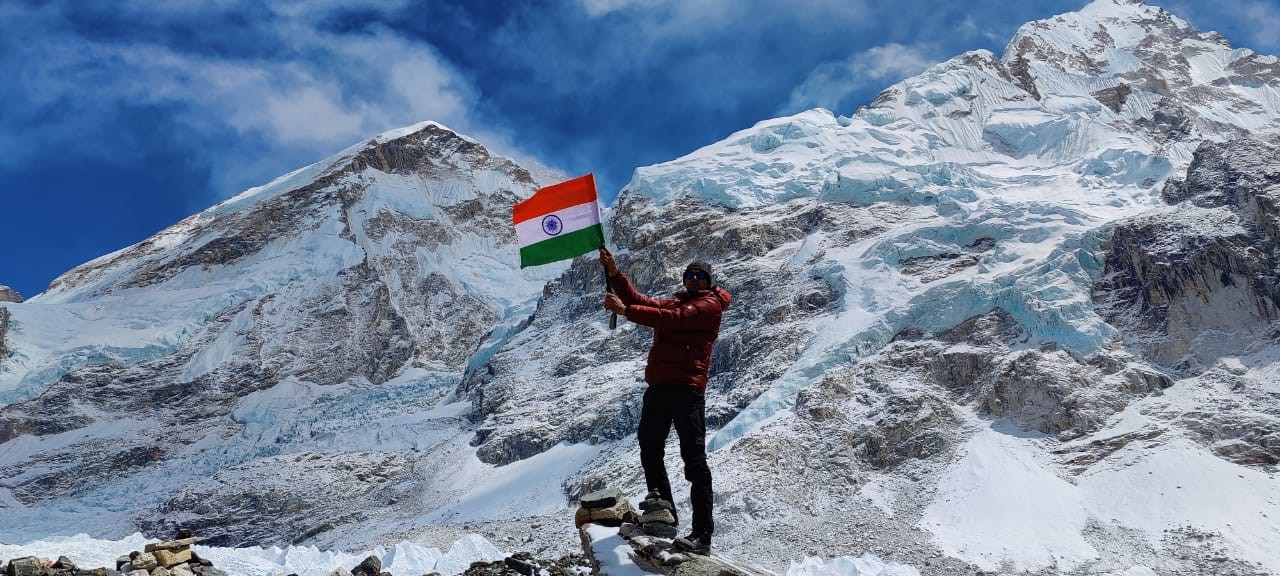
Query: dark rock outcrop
{"type": "Point", "coordinates": [8, 294]}
{"type": "Point", "coordinates": [4, 330]}
{"type": "Point", "coordinates": [1201, 279]}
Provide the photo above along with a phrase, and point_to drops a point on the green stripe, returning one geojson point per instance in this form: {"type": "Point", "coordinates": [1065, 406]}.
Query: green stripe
{"type": "Point", "coordinates": [562, 247]}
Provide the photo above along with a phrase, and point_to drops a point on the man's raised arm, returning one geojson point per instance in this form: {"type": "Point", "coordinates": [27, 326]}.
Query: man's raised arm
{"type": "Point", "coordinates": [621, 284]}
{"type": "Point", "coordinates": [694, 314]}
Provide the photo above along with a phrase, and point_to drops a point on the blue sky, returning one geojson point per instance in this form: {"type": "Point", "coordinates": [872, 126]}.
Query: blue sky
{"type": "Point", "coordinates": [117, 119]}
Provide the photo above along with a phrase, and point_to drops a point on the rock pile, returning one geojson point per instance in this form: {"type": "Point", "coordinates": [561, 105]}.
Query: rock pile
{"type": "Point", "coordinates": [32, 566]}
{"type": "Point", "coordinates": [524, 564]}
{"type": "Point", "coordinates": [651, 548]}
{"type": "Point", "coordinates": [172, 558]}
{"type": "Point", "coordinates": [659, 518]}
{"type": "Point", "coordinates": [370, 566]}
{"type": "Point", "coordinates": [607, 507]}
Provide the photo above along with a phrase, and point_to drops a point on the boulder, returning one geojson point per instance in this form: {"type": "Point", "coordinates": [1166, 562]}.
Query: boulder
{"type": "Point", "coordinates": [161, 571]}
{"type": "Point", "coordinates": [170, 558]}
{"type": "Point", "coordinates": [371, 566]}
{"type": "Point", "coordinates": [660, 515]}
{"type": "Point", "coordinates": [64, 563]}
{"type": "Point", "coordinates": [145, 561]}
{"type": "Point", "coordinates": [605, 498]}
{"type": "Point", "coordinates": [196, 559]}
{"type": "Point", "coordinates": [615, 515]}
{"type": "Point", "coordinates": [340, 572]}
{"type": "Point", "coordinates": [121, 561]}
{"type": "Point", "coordinates": [652, 503]}
{"type": "Point", "coordinates": [660, 529]}
{"type": "Point", "coordinates": [182, 570]}
{"type": "Point", "coordinates": [171, 544]}
{"type": "Point", "coordinates": [522, 562]}
{"type": "Point", "coordinates": [659, 519]}
{"type": "Point", "coordinates": [25, 566]}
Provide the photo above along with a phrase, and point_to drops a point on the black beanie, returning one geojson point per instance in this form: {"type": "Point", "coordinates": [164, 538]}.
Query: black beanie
{"type": "Point", "coordinates": [703, 266]}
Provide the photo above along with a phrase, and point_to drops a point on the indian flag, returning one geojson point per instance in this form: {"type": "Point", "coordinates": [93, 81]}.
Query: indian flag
{"type": "Point", "coordinates": [559, 222]}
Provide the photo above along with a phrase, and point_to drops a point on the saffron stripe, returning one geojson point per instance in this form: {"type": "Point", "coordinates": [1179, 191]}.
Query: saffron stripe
{"type": "Point", "coordinates": [556, 197]}
{"type": "Point", "coordinates": [562, 247]}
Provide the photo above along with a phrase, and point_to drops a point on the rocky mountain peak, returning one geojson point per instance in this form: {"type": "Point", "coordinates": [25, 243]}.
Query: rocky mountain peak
{"type": "Point", "coordinates": [1121, 45]}
{"type": "Point", "coordinates": [241, 225]}
{"type": "Point", "coordinates": [1087, 40]}
{"type": "Point", "coordinates": [8, 294]}
{"type": "Point", "coordinates": [430, 148]}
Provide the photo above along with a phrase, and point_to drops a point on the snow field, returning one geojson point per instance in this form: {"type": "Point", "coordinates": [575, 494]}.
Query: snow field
{"type": "Point", "coordinates": [1005, 499]}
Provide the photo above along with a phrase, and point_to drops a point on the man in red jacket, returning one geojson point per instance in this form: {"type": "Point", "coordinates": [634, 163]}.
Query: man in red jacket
{"type": "Point", "coordinates": [684, 329]}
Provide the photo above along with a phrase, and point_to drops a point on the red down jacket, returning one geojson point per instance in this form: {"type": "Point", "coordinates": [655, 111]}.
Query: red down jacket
{"type": "Point", "coordinates": [684, 329]}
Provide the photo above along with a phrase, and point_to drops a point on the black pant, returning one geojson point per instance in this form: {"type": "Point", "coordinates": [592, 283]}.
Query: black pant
{"type": "Point", "coordinates": [684, 406]}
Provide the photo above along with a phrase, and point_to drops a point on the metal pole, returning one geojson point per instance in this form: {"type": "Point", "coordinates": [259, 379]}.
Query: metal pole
{"type": "Point", "coordinates": [608, 289]}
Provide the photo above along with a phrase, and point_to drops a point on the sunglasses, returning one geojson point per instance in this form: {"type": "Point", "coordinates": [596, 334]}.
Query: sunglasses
{"type": "Point", "coordinates": [691, 274]}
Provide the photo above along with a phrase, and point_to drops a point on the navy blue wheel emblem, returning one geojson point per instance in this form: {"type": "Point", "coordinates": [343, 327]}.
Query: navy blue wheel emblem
{"type": "Point", "coordinates": [552, 225]}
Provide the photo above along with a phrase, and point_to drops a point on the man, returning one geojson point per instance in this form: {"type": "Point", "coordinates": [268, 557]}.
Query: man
{"type": "Point", "coordinates": [684, 328]}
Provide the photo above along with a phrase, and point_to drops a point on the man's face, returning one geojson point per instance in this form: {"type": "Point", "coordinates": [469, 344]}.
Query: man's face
{"type": "Point", "coordinates": [695, 280]}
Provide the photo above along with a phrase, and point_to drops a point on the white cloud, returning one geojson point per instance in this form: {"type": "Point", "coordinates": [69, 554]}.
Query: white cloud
{"type": "Point", "coordinates": [319, 92]}
{"type": "Point", "coordinates": [662, 20]}
{"type": "Point", "coordinates": [831, 82]}
{"type": "Point", "coordinates": [1258, 20]}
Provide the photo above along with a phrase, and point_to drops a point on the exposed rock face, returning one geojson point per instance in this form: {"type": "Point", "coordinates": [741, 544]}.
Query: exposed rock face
{"type": "Point", "coordinates": [899, 406]}
{"type": "Point", "coordinates": [4, 329]}
{"type": "Point", "coordinates": [253, 503]}
{"type": "Point", "coordinates": [1201, 279]}
{"type": "Point", "coordinates": [8, 294]}
{"type": "Point", "coordinates": [758, 336]}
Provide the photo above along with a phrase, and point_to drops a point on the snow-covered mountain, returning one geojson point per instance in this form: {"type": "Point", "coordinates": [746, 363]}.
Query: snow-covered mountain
{"type": "Point", "coordinates": [915, 314]}
{"type": "Point", "coordinates": [1019, 313]}
{"type": "Point", "coordinates": [321, 315]}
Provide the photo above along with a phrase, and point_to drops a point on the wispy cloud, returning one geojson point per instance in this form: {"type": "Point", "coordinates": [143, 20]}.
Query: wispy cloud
{"type": "Point", "coordinates": [290, 87]}
{"type": "Point", "coordinates": [831, 83]}
{"type": "Point", "coordinates": [1252, 23]}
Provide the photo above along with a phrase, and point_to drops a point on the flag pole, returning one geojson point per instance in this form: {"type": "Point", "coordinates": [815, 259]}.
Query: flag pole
{"type": "Point", "coordinates": [608, 289]}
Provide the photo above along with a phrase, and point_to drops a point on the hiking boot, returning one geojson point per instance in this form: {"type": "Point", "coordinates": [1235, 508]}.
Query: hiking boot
{"type": "Point", "coordinates": [694, 544]}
